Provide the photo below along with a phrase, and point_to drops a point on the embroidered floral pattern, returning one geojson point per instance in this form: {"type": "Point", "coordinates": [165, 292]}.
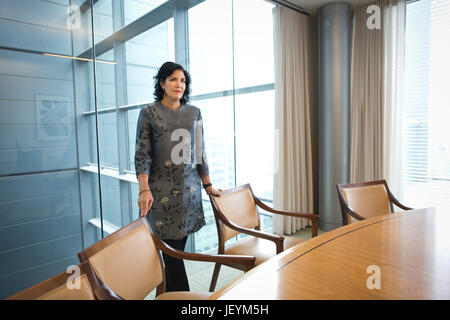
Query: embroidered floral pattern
{"type": "Point", "coordinates": [164, 200]}
{"type": "Point", "coordinates": [177, 210]}
{"type": "Point", "coordinates": [168, 163]}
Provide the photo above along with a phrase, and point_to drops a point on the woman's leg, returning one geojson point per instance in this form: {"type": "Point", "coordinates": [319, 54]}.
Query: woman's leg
{"type": "Point", "coordinates": [176, 278]}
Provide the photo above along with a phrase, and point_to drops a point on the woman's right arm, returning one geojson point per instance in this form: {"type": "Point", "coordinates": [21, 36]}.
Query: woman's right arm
{"type": "Point", "coordinates": [145, 201]}
{"type": "Point", "coordinates": [142, 161]}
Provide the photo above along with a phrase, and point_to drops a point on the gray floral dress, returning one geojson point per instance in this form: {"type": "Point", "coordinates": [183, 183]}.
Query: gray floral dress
{"type": "Point", "coordinates": [170, 149]}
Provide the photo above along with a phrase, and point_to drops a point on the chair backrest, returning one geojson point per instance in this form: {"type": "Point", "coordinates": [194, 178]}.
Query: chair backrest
{"type": "Point", "coordinates": [368, 199]}
{"type": "Point", "coordinates": [127, 261]}
{"type": "Point", "coordinates": [63, 286]}
{"type": "Point", "coordinates": [238, 206]}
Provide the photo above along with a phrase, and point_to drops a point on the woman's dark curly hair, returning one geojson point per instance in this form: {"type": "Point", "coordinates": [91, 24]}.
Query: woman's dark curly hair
{"type": "Point", "coordinates": [165, 71]}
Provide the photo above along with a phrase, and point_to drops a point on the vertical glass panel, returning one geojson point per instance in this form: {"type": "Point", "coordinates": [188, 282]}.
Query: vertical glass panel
{"type": "Point", "coordinates": [134, 201]}
{"type": "Point", "coordinates": [218, 129]}
{"type": "Point", "coordinates": [206, 238]}
{"type": "Point", "coordinates": [255, 141]}
{"type": "Point", "coordinates": [111, 203]}
{"type": "Point", "coordinates": [105, 76]}
{"type": "Point", "coordinates": [103, 19]}
{"type": "Point", "coordinates": [107, 131]}
{"type": "Point", "coordinates": [254, 112]}
{"type": "Point", "coordinates": [110, 90]}
{"type": "Point", "coordinates": [210, 46]}
{"type": "Point", "coordinates": [133, 116]}
{"type": "Point", "coordinates": [253, 43]}
{"type": "Point", "coordinates": [145, 53]}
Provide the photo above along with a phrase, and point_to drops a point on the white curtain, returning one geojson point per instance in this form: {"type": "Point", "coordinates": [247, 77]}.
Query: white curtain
{"type": "Point", "coordinates": [378, 95]}
{"type": "Point", "coordinates": [394, 98]}
{"type": "Point", "coordinates": [294, 95]}
{"type": "Point", "coordinates": [366, 105]}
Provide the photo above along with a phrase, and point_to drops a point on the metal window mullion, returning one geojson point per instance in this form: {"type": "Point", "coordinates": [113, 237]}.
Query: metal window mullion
{"type": "Point", "coordinates": [120, 73]}
{"type": "Point", "coordinates": [234, 90]}
{"type": "Point", "coordinates": [181, 33]}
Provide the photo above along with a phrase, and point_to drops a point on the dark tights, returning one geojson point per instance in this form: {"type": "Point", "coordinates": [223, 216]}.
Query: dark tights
{"type": "Point", "coordinates": [176, 278]}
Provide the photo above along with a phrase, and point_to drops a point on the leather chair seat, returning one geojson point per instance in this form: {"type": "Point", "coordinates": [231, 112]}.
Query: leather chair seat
{"type": "Point", "coordinates": [262, 249]}
{"type": "Point", "coordinates": [183, 295]}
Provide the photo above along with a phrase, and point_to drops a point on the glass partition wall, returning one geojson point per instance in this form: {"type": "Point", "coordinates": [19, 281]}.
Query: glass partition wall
{"type": "Point", "coordinates": [70, 96]}
{"type": "Point", "coordinates": [46, 69]}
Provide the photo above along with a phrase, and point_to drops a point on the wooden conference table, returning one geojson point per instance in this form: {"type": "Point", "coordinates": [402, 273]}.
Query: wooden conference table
{"type": "Point", "coordinates": [411, 250]}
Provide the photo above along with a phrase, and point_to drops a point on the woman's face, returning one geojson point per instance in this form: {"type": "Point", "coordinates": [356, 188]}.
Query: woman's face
{"type": "Point", "coordinates": [174, 85]}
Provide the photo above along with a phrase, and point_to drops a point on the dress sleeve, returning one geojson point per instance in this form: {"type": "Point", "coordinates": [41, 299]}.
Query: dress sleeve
{"type": "Point", "coordinates": [142, 156]}
{"type": "Point", "coordinates": [203, 166]}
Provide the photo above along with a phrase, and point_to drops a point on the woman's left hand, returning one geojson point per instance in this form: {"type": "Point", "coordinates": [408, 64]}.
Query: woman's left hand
{"type": "Point", "coordinates": [211, 191]}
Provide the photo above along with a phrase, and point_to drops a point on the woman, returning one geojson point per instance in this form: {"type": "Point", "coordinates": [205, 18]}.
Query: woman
{"type": "Point", "coordinates": [170, 163]}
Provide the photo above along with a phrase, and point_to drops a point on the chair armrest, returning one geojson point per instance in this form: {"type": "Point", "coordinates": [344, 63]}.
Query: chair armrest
{"type": "Point", "coordinates": [247, 261]}
{"type": "Point", "coordinates": [313, 217]}
{"type": "Point", "coordinates": [278, 240]}
{"type": "Point", "coordinates": [352, 213]}
{"type": "Point", "coordinates": [397, 203]}
{"type": "Point", "coordinates": [310, 216]}
{"type": "Point", "coordinates": [101, 290]}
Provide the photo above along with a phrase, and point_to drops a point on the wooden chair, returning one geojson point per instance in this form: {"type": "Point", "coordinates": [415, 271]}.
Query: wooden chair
{"type": "Point", "coordinates": [128, 263]}
{"type": "Point", "coordinates": [364, 200]}
{"type": "Point", "coordinates": [57, 288]}
{"type": "Point", "coordinates": [235, 212]}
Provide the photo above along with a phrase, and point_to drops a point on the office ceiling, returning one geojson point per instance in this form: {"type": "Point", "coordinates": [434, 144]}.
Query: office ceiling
{"type": "Point", "coordinates": [311, 6]}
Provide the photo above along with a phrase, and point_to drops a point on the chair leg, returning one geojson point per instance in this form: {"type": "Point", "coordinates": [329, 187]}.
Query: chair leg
{"type": "Point", "coordinates": [214, 277]}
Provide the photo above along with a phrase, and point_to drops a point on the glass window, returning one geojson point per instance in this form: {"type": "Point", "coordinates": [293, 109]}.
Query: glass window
{"type": "Point", "coordinates": [217, 115]}
{"type": "Point", "coordinates": [426, 147]}
{"type": "Point", "coordinates": [255, 141]}
{"type": "Point", "coordinates": [145, 53]}
{"type": "Point", "coordinates": [210, 46]}
{"type": "Point", "coordinates": [103, 19]}
{"type": "Point", "coordinates": [253, 43]}
{"type": "Point", "coordinates": [134, 9]}
{"type": "Point", "coordinates": [238, 54]}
